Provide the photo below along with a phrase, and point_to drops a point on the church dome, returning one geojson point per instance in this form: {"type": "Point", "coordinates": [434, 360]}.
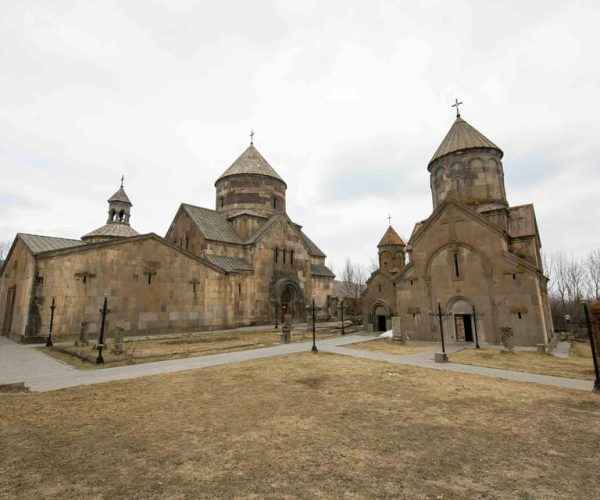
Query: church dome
{"type": "Point", "coordinates": [250, 186]}
{"type": "Point", "coordinates": [250, 162]}
{"type": "Point", "coordinates": [467, 168]}
{"type": "Point", "coordinates": [460, 137]}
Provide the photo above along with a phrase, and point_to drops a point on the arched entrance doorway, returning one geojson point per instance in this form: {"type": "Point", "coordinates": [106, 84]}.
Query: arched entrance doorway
{"type": "Point", "coordinates": [462, 319]}
{"type": "Point", "coordinates": [287, 298]}
{"type": "Point", "coordinates": [380, 317]}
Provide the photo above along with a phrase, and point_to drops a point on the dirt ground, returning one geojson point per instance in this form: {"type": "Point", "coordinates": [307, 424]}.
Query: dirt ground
{"type": "Point", "coordinates": [302, 426]}
{"type": "Point", "coordinates": [391, 347]}
{"type": "Point", "coordinates": [182, 346]}
{"type": "Point", "coordinates": [579, 364]}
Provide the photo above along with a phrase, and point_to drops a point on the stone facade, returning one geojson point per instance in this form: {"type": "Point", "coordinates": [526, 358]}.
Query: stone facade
{"type": "Point", "coordinates": [475, 256]}
{"type": "Point", "coordinates": [243, 263]}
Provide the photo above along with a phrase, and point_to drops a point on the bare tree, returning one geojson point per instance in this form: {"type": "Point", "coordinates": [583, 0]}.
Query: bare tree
{"type": "Point", "coordinates": [352, 279]}
{"type": "Point", "coordinates": [592, 271]}
{"type": "Point", "coordinates": [4, 248]}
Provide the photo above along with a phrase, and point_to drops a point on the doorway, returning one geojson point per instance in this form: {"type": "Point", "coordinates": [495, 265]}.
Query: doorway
{"type": "Point", "coordinates": [381, 323]}
{"type": "Point", "coordinates": [463, 326]}
{"type": "Point", "coordinates": [8, 312]}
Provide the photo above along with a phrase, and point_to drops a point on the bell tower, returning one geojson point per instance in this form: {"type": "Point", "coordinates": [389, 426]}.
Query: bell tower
{"type": "Point", "coordinates": [392, 251]}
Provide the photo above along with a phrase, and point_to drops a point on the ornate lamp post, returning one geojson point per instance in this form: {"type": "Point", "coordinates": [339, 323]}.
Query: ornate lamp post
{"type": "Point", "coordinates": [49, 339]}
{"type": "Point", "coordinates": [276, 314]}
{"type": "Point", "coordinates": [104, 311]}
{"type": "Point", "coordinates": [313, 309]}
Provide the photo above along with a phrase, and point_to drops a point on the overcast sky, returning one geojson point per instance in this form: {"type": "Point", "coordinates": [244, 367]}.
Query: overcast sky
{"type": "Point", "coordinates": [349, 100]}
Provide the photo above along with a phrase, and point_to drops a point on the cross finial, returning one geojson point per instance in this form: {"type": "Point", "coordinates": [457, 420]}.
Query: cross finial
{"type": "Point", "coordinates": [122, 179]}
{"type": "Point", "coordinates": [389, 218]}
{"type": "Point", "coordinates": [456, 105]}
{"type": "Point", "coordinates": [251, 137]}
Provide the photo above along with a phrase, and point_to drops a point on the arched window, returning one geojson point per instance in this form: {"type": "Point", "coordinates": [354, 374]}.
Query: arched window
{"type": "Point", "coordinates": [121, 216]}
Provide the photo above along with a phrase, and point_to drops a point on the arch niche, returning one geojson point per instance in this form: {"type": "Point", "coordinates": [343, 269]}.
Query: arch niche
{"type": "Point", "coordinates": [380, 316]}
{"type": "Point", "coordinates": [288, 298]}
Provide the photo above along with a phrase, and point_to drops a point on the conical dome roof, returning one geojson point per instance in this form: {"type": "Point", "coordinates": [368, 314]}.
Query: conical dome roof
{"type": "Point", "coordinates": [120, 195]}
{"type": "Point", "coordinates": [462, 136]}
{"type": "Point", "coordinates": [251, 162]}
{"type": "Point", "coordinates": [391, 237]}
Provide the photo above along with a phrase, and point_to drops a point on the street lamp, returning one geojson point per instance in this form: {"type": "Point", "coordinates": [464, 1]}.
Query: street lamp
{"type": "Point", "coordinates": [313, 309]}
{"type": "Point", "coordinates": [104, 311]}
{"type": "Point", "coordinates": [588, 324]}
{"type": "Point", "coordinates": [342, 311]}
{"type": "Point", "coordinates": [49, 339]}
{"type": "Point", "coordinates": [276, 314]}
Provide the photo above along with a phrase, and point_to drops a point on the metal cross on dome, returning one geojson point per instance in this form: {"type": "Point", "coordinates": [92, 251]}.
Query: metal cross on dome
{"type": "Point", "coordinates": [251, 137]}
{"type": "Point", "coordinates": [389, 218]}
{"type": "Point", "coordinates": [122, 179]}
{"type": "Point", "coordinates": [456, 105]}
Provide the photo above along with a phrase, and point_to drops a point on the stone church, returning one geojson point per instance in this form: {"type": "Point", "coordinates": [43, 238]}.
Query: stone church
{"type": "Point", "coordinates": [475, 256]}
{"type": "Point", "coordinates": [245, 262]}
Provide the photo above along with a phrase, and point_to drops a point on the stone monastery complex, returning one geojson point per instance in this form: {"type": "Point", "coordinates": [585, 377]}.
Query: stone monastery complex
{"type": "Point", "coordinates": [475, 258]}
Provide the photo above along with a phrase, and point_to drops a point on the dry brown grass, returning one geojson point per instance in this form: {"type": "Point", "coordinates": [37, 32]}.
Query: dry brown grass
{"type": "Point", "coordinates": [184, 346]}
{"type": "Point", "coordinates": [302, 426]}
{"type": "Point", "coordinates": [391, 347]}
{"type": "Point", "coordinates": [579, 364]}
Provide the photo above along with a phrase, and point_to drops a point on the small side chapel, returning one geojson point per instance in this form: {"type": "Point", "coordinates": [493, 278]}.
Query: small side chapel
{"type": "Point", "coordinates": [475, 256]}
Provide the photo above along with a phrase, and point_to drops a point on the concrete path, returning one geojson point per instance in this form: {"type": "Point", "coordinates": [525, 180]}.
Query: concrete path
{"type": "Point", "coordinates": [21, 363]}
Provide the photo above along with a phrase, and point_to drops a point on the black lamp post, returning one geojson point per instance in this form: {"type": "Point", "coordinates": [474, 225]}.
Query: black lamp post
{"type": "Point", "coordinates": [104, 311]}
{"type": "Point", "coordinates": [276, 314]}
{"type": "Point", "coordinates": [342, 305]}
{"type": "Point", "coordinates": [475, 316]}
{"type": "Point", "coordinates": [49, 339]}
{"type": "Point", "coordinates": [313, 309]}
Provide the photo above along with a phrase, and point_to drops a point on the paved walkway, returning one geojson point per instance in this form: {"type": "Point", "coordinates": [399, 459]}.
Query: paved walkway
{"type": "Point", "coordinates": [21, 363]}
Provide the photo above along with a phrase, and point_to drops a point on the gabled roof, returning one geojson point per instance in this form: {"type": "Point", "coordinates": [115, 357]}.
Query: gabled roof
{"type": "Point", "coordinates": [213, 225]}
{"type": "Point", "coordinates": [391, 237]}
{"type": "Point", "coordinates": [251, 162]}
{"type": "Point", "coordinates": [462, 136]}
{"type": "Point", "coordinates": [121, 196]}
{"type": "Point", "coordinates": [38, 244]}
{"type": "Point", "coordinates": [321, 270]}
{"type": "Point", "coordinates": [112, 230]}
{"type": "Point", "coordinates": [229, 264]}
{"type": "Point", "coordinates": [436, 214]}
{"type": "Point", "coordinates": [314, 250]}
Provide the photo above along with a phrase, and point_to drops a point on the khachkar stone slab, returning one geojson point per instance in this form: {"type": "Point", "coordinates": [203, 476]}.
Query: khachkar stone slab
{"type": "Point", "coordinates": [285, 336]}
{"type": "Point", "coordinates": [507, 338]}
{"type": "Point", "coordinates": [397, 330]}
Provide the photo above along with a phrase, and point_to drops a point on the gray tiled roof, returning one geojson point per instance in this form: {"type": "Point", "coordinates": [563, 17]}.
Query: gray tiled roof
{"type": "Point", "coordinates": [462, 136]}
{"type": "Point", "coordinates": [314, 249]}
{"type": "Point", "coordinates": [251, 162]}
{"type": "Point", "coordinates": [229, 264]}
{"type": "Point", "coordinates": [38, 244]}
{"type": "Point", "coordinates": [213, 225]}
{"type": "Point", "coordinates": [120, 195]}
{"type": "Point", "coordinates": [321, 270]}
{"type": "Point", "coordinates": [112, 230]}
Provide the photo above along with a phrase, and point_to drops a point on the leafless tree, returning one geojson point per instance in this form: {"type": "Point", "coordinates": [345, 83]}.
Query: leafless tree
{"type": "Point", "coordinates": [592, 270]}
{"type": "Point", "coordinates": [352, 279]}
{"type": "Point", "coordinates": [4, 248]}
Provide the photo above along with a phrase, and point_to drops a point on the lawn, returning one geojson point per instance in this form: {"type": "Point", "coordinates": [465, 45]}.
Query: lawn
{"type": "Point", "coordinates": [392, 347]}
{"type": "Point", "coordinates": [302, 426]}
{"type": "Point", "coordinates": [183, 346]}
{"type": "Point", "coordinates": [579, 364]}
